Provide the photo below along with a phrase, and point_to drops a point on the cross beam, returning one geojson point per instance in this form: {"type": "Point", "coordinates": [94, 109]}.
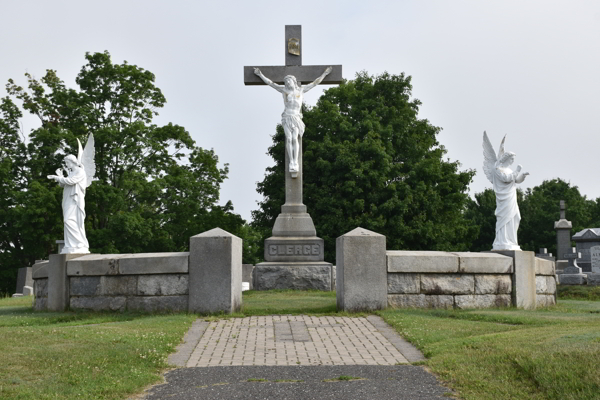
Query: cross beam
{"type": "Point", "coordinates": [293, 64]}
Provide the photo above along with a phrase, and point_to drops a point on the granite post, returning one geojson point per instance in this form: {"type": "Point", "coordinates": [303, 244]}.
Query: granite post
{"type": "Point", "coordinates": [58, 281]}
{"type": "Point", "coordinates": [523, 279]}
{"type": "Point", "coordinates": [361, 271]}
{"type": "Point", "coordinates": [215, 272]}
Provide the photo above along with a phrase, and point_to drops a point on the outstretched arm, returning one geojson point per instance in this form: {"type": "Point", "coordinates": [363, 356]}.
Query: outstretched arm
{"type": "Point", "coordinates": [520, 176]}
{"type": "Point", "coordinates": [269, 82]}
{"type": "Point", "coordinates": [306, 88]}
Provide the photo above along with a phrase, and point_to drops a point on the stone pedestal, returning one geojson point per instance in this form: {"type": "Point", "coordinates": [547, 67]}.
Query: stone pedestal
{"type": "Point", "coordinates": [523, 280]}
{"type": "Point", "coordinates": [215, 272]}
{"type": "Point", "coordinates": [294, 255]}
{"type": "Point", "coordinates": [361, 271]}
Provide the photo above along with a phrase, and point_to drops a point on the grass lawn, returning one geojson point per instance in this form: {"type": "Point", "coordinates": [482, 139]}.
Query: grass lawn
{"type": "Point", "coordinates": [482, 354]}
{"type": "Point", "coordinates": [82, 355]}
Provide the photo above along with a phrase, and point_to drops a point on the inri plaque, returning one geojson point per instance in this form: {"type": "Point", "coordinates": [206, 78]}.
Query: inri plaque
{"type": "Point", "coordinates": [294, 46]}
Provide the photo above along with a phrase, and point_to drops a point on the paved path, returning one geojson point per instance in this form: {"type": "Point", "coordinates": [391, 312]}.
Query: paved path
{"type": "Point", "coordinates": [296, 357]}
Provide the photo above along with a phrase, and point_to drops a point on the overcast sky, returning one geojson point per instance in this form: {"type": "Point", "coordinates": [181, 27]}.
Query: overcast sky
{"type": "Point", "coordinates": [528, 69]}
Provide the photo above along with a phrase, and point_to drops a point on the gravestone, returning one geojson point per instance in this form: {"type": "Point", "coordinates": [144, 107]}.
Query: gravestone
{"type": "Point", "coordinates": [594, 277]}
{"type": "Point", "coordinates": [24, 278]}
{"type": "Point", "coordinates": [563, 237]}
{"type": "Point", "coordinates": [585, 240]}
{"type": "Point", "coordinates": [595, 257]}
{"type": "Point", "coordinates": [543, 254]}
{"type": "Point", "coordinates": [294, 255]}
{"type": "Point", "coordinates": [572, 274]}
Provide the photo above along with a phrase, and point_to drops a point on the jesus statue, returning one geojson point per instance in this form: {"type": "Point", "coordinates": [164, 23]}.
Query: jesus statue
{"type": "Point", "coordinates": [291, 118]}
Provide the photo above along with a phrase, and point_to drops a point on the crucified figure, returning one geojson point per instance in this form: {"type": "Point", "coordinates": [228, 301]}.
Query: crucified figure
{"type": "Point", "coordinates": [291, 118]}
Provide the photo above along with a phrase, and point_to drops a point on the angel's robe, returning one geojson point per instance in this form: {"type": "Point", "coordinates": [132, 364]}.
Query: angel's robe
{"type": "Point", "coordinates": [73, 205]}
{"type": "Point", "coordinates": [508, 216]}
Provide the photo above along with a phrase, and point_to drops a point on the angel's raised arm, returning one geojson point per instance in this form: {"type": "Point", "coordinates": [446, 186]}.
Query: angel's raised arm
{"type": "Point", "coordinates": [306, 88]}
{"type": "Point", "coordinates": [269, 82]}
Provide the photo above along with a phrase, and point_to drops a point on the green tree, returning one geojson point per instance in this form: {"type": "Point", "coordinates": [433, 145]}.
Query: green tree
{"type": "Point", "coordinates": [371, 162]}
{"type": "Point", "coordinates": [155, 186]}
{"type": "Point", "coordinates": [540, 209]}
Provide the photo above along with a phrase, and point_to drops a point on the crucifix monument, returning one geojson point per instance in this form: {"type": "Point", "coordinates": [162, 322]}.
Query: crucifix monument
{"type": "Point", "coordinates": [294, 255]}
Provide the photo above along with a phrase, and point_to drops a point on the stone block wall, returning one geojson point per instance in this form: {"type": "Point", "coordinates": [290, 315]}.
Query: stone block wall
{"type": "Point", "coordinates": [151, 293]}
{"type": "Point", "coordinates": [151, 282]}
{"type": "Point", "coordinates": [432, 279]}
{"type": "Point", "coordinates": [545, 283]}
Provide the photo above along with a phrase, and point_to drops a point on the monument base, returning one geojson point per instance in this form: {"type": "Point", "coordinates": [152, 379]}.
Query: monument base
{"type": "Point", "coordinates": [593, 279]}
{"type": "Point", "coordinates": [294, 275]}
{"type": "Point", "coordinates": [572, 279]}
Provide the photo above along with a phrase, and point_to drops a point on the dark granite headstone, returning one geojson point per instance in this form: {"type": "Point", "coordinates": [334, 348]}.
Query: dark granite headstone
{"type": "Point", "coordinates": [585, 240]}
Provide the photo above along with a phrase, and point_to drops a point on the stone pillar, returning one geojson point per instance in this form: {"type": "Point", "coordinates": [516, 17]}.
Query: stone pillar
{"type": "Point", "coordinates": [361, 271]}
{"type": "Point", "coordinates": [58, 281]}
{"type": "Point", "coordinates": [215, 272]}
{"type": "Point", "coordinates": [563, 238]}
{"type": "Point", "coordinates": [523, 279]}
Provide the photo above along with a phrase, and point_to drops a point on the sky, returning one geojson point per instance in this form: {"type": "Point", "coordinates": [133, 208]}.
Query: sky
{"type": "Point", "coordinates": [526, 69]}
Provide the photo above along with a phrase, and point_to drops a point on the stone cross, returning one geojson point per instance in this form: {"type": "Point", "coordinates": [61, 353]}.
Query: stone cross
{"type": "Point", "coordinates": [572, 256]}
{"type": "Point", "coordinates": [563, 207]}
{"type": "Point", "coordinates": [293, 64]}
{"type": "Point", "coordinates": [304, 74]}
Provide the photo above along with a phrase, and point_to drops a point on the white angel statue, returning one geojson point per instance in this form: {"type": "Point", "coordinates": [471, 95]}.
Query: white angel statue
{"type": "Point", "coordinates": [80, 174]}
{"type": "Point", "coordinates": [505, 182]}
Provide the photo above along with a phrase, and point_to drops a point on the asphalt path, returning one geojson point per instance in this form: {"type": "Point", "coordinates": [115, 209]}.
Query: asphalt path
{"type": "Point", "coordinates": [300, 382]}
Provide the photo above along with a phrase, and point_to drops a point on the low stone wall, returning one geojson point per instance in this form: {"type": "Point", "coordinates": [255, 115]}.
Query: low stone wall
{"type": "Point", "coordinates": [432, 279]}
{"type": "Point", "coordinates": [151, 282]}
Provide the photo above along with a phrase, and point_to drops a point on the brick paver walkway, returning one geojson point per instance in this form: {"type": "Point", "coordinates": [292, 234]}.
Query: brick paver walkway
{"type": "Point", "coordinates": [294, 340]}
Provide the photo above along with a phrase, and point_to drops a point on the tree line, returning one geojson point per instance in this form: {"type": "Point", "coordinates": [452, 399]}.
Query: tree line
{"type": "Point", "coordinates": [373, 163]}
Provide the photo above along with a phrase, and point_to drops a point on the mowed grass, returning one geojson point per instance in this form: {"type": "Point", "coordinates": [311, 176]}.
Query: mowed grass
{"type": "Point", "coordinates": [82, 355]}
{"type": "Point", "coordinates": [482, 354]}
{"type": "Point", "coordinates": [510, 354]}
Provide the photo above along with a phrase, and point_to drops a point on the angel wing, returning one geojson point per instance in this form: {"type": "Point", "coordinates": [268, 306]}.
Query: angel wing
{"type": "Point", "coordinates": [86, 158]}
{"type": "Point", "coordinates": [501, 149]}
{"type": "Point", "coordinates": [489, 157]}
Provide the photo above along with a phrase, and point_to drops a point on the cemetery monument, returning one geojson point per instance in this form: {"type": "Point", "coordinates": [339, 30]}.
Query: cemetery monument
{"type": "Point", "coordinates": [563, 238]}
{"type": "Point", "coordinates": [294, 255]}
{"type": "Point", "coordinates": [508, 217]}
{"type": "Point", "coordinates": [80, 172]}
